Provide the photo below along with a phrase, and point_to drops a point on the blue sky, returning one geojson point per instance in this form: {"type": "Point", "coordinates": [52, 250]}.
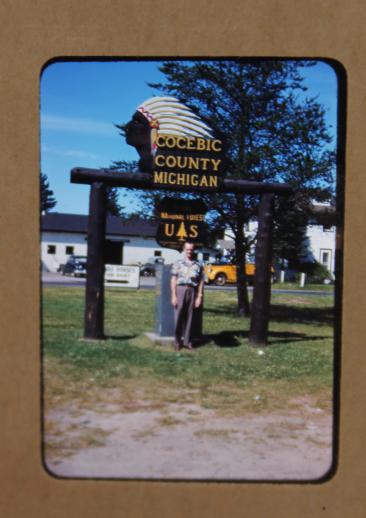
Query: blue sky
{"type": "Point", "coordinates": [81, 101]}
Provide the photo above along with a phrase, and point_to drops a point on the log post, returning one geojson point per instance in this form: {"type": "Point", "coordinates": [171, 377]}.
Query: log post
{"type": "Point", "coordinates": [94, 294]}
{"type": "Point", "coordinates": [262, 278]}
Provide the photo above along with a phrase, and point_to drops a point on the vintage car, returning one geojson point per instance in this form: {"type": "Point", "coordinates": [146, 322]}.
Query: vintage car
{"type": "Point", "coordinates": [222, 273]}
{"type": "Point", "coordinates": [149, 269]}
{"type": "Point", "coordinates": [75, 266]}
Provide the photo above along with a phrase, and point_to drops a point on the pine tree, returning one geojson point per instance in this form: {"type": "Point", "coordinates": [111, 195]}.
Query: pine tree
{"type": "Point", "coordinates": [269, 135]}
{"type": "Point", "coordinates": [48, 200]}
{"type": "Point", "coordinates": [113, 206]}
{"type": "Point", "coordinates": [289, 243]}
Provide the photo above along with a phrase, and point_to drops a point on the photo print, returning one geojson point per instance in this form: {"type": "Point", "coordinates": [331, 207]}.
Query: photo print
{"type": "Point", "coordinates": [191, 225]}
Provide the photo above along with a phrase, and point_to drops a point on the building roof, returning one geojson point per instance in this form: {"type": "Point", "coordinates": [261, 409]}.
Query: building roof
{"type": "Point", "coordinates": [77, 223]}
{"type": "Point", "coordinates": [226, 244]}
{"type": "Point", "coordinates": [323, 214]}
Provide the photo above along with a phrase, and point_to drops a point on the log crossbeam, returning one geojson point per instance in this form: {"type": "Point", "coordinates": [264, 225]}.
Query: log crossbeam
{"type": "Point", "coordinates": [144, 181]}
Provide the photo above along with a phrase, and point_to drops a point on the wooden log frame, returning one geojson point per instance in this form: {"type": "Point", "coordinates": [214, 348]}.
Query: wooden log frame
{"type": "Point", "coordinates": [258, 334]}
{"type": "Point", "coordinates": [99, 178]}
{"type": "Point", "coordinates": [94, 293]}
{"type": "Point", "coordinates": [144, 181]}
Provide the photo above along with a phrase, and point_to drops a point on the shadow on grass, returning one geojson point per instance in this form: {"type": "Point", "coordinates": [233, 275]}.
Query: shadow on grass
{"type": "Point", "coordinates": [228, 339]}
{"type": "Point", "coordinates": [227, 310]}
{"type": "Point", "coordinates": [302, 315]}
{"type": "Point", "coordinates": [120, 337]}
{"type": "Point", "coordinates": [284, 313]}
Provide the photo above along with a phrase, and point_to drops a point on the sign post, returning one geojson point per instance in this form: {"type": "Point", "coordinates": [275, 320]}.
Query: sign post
{"type": "Point", "coordinates": [262, 278]}
{"type": "Point", "coordinates": [143, 180]}
{"type": "Point", "coordinates": [94, 293]}
{"type": "Point", "coordinates": [122, 275]}
{"type": "Point", "coordinates": [177, 152]}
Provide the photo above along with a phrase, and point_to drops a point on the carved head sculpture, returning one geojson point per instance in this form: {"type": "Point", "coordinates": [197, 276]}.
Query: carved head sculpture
{"type": "Point", "coordinates": [161, 115]}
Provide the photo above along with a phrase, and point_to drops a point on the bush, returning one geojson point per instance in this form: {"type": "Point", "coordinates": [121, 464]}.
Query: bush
{"type": "Point", "coordinates": [316, 273]}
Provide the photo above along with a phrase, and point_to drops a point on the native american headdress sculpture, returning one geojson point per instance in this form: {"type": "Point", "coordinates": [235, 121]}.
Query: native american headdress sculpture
{"type": "Point", "coordinates": [161, 115]}
{"type": "Point", "coordinates": [166, 115]}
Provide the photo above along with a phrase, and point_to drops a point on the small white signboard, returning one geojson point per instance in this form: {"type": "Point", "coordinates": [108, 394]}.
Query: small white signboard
{"type": "Point", "coordinates": [121, 275]}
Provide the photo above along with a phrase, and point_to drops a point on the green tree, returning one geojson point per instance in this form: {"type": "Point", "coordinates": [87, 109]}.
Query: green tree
{"type": "Point", "coordinates": [48, 200]}
{"type": "Point", "coordinates": [270, 134]}
{"type": "Point", "coordinates": [289, 237]}
{"type": "Point", "coordinates": [115, 194]}
{"type": "Point", "coordinates": [113, 205]}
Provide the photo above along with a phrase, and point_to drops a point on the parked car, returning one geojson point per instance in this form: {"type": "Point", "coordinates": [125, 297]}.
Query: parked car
{"type": "Point", "coordinates": [222, 273]}
{"type": "Point", "coordinates": [75, 266]}
{"type": "Point", "coordinates": [149, 268]}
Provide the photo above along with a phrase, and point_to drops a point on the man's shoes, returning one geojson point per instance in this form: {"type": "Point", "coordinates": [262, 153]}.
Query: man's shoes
{"type": "Point", "coordinates": [190, 347]}
{"type": "Point", "coordinates": [177, 346]}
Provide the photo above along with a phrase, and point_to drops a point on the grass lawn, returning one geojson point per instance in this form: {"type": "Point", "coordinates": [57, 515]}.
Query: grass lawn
{"type": "Point", "coordinates": [308, 287]}
{"type": "Point", "coordinates": [225, 374]}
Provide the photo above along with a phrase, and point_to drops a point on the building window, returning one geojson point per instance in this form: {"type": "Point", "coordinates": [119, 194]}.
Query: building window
{"type": "Point", "coordinates": [69, 250]}
{"type": "Point", "coordinates": [157, 253]}
{"type": "Point", "coordinates": [51, 249]}
{"type": "Point", "coordinates": [325, 258]}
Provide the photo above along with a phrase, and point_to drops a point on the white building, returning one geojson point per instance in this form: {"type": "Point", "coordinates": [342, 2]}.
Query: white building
{"type": "Point", "coordinates": [130, 242]}
{"type": "Point", "coordinates": [320, 243]}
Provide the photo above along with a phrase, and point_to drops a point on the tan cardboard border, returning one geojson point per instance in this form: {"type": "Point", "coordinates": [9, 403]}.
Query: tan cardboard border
{"type": "Point", "coordinates": [31, 34]}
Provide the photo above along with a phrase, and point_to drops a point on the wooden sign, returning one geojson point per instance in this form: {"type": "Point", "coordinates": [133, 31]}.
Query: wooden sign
{"type": "Point", "coordinates": [181, 221]}
{"type": "Point", "coordinates": [122, 275]}
{"type": "Point", "coordinates": [175, 146]}
{"type": "Point", "coordinates": [187, 163]}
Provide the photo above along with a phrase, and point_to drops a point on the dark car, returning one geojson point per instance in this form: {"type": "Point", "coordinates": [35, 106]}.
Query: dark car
{"type": "Point", "coordinates": [75, 266]}
{"type": "Point", "coordinates": [149, 269]}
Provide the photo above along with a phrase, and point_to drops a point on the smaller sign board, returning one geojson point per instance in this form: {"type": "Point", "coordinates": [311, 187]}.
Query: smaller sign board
{"type": "Point", "coordinates": [181, 221]}
{"type": "Point", "coordinates": [121, 275]}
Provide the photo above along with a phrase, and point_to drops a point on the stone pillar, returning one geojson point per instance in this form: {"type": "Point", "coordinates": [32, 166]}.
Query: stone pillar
{"type": "Point", "coordinates": [164, 312]}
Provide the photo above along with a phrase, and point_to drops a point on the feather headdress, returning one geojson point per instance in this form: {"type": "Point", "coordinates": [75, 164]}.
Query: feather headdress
{"type": "Point", "coordinates": [166, 115]}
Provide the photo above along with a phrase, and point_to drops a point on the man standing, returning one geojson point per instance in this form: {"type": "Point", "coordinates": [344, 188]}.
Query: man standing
{"type": "Point", "coordinates": [187, 293]}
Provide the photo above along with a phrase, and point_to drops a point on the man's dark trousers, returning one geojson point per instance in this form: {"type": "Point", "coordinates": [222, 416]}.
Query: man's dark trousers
{"type": "Point", "coordinates": [183, 314]}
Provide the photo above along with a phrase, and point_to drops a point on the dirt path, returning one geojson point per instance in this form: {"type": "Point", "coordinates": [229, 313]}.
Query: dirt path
{"type": "Point", "coordinates": [188, 442]}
